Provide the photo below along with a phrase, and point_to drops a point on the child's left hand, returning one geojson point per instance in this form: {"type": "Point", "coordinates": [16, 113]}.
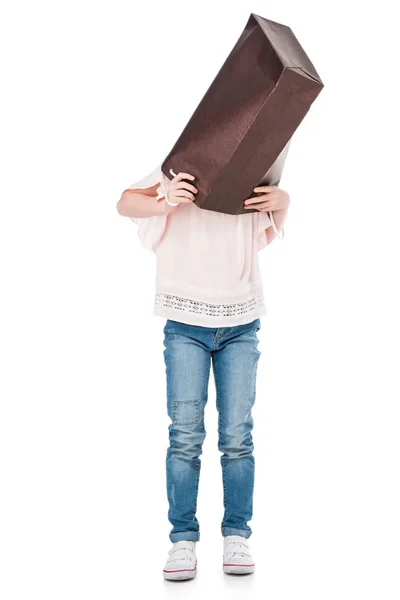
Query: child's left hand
{"type": "Point", "coordinates": [271, 198]}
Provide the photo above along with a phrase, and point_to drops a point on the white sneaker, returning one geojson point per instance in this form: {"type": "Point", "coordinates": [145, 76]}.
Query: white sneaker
{"type": "Point", "coordinates": [237, 557]}
{"type": "Point", "coordinates": [182, 561]}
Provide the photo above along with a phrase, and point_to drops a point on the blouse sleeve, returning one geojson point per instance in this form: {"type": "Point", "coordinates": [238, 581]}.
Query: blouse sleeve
{"type": "Point", "coordinates": [150, 229]}
{"type": "Point", "coordinates": [263, 222]}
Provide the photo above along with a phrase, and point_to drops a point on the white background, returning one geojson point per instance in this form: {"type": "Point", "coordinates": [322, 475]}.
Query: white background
{"type": "Point", "coordinates": [94, 94]}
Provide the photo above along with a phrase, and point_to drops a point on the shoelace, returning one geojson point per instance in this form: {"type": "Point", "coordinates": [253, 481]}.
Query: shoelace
{"type": "Point", "coordinates": [162, 193]}
{"type": "Point", "coordinates": [243, 550]}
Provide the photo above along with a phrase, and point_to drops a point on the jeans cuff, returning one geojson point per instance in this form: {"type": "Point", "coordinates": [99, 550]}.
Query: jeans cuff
{"type": "Point", "coordinates": [190, 536]}
{"type": "Point", "coordinates": [246, 533]}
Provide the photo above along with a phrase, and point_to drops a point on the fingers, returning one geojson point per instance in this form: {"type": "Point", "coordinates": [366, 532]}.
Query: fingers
{"type": "Point", "coordinates": [179, 184]}
{"type": "Point", "coordinates": [266, 188]}
{"type": "Point", "coordinates": [256, 199]}
{"type": "Point", "coordinates": [183, 191]}
{"type": "Point", "coordinates": [259, 206]}
{"type": "Point", "coordinates": [186, 186]}
{"type": "Point", "coordinates": [183, 176]}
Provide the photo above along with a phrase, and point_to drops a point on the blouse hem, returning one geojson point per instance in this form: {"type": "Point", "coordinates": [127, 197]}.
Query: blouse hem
{"type": "Point", "coordinates": [207, 321]}
{"type": "Point", "coordinates": [209, 307]}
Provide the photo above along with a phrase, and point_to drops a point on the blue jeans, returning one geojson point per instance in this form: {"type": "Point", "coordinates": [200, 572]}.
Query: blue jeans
{"type": "Point", "coordinates": [189, 351]}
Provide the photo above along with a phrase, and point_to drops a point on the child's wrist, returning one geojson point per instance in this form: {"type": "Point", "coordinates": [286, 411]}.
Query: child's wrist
{"type": "Point", "coordinates": [167, 208]}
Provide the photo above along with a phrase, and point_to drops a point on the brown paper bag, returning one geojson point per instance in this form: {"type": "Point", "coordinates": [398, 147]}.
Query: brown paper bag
{"type": "Point", "coordinates": [239, 135]}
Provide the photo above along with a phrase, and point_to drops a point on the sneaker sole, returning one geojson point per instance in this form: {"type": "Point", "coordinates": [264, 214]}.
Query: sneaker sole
{"type": "Point", "coordinates": [238, 569]}
{"type": "Point", "coordinates": [179, 574]}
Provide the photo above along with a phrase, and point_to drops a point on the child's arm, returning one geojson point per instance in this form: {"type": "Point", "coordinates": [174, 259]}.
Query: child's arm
{"type": "Point", "coordinates": [142, 203]}
{"type": "Point", "coordinates": [274, 199]}
{"type": "Point", "coordinates": [139, 203]}
{"type": "Point", "coordinates": [279, 218]}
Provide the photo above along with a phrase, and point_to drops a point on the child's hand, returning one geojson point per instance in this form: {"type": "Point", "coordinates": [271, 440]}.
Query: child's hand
{"type": "Point", "coordinates": [179, 191]}
{"type": "Point", "coordinates": [271, 198]}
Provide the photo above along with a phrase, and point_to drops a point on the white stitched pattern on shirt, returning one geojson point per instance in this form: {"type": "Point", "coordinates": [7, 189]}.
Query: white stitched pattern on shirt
{"type": "Point", "coordinates": [207, 308]}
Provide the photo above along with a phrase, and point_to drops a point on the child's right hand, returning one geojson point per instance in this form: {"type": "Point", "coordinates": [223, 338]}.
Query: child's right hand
{"type": "Point", "coordinates": [179, 191]}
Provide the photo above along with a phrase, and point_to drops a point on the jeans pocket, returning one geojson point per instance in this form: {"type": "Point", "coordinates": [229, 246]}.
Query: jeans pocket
{"type": "Point", "coordinates": [185, 412]}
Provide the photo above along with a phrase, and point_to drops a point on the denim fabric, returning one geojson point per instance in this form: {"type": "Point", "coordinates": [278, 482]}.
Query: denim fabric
{"type": "Point", "coordinates": [189, 352]}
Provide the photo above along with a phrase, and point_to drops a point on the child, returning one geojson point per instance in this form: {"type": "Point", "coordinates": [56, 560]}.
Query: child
{"type": "Point", "coordinates": [209, 290]}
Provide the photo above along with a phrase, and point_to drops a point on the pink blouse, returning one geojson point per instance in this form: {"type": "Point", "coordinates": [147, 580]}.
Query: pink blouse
{"type": "Point", "coordinates": [207, 262]}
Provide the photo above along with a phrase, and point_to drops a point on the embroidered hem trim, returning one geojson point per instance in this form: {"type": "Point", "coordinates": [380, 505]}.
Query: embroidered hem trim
{"type": "Point", "coordinates": [229, 309]}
